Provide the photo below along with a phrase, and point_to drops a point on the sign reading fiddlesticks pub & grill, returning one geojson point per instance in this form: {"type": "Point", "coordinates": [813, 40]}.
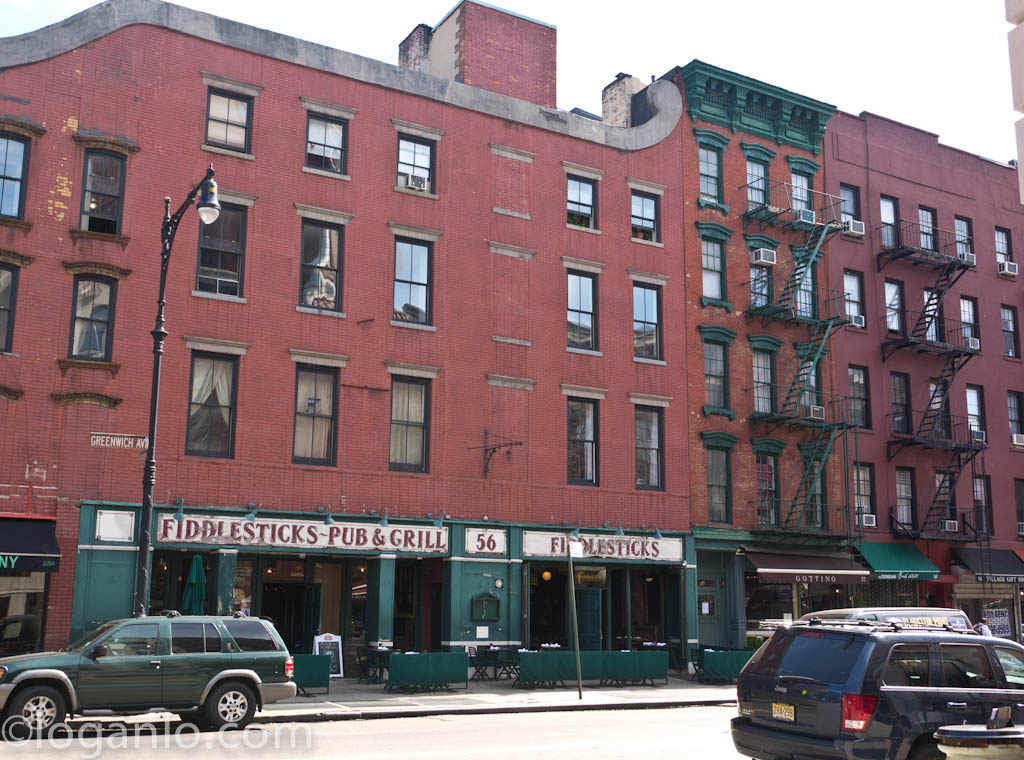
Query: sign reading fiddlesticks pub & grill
{"type": "Point", "coordinates": [222, 530]}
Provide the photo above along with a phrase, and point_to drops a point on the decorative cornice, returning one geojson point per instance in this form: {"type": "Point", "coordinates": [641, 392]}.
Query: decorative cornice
{"type": "Point", "coordinates": [764, 343]}
{"type": "Point", "coordinates": [594, 267]}
{"type": "Point", "coordinates": [21, 126]}
{"type": "Point", "coordinates": [417, 233]}
{"type": "Point", "coordinates": [515, 154]}
{"type": "Point", "coordinates": [643, 186]}
{"type": "Point", "coordinates": [87, 399]}
{"type": "Point", "coordinates": [78, 235]}
{"type": "Point", "coordinates": [513, 251]}
{"type": "Point", "coordinates": [323, 214]}
{"type": "Point", "coordinates": [713, 231]}
{"type": "Point", "coordinates": [103, 142]}
{"type": "Point", "coordinates": [716, 334]}
{"type": "Point", "coordinates": [66, 364]}
{"type": "Point", "coordinates": [710, 139]}
{"type": "Point", "coordinates": [582, 171]}
{"type": "Point", "coordinates": [300, 356]}
{"type": "Point", "coordinates": [216, 345]}
{"type": "Point", "coordinates": [583, 391]}
{"type": "Point", "coordinates": [412, 370]}
{"type": "Point", "coordinates": [236, 197]}
{"type": "Point", "coordinates": [324, 108]}
{"type": "Point", "coordinates": [758, 240]}
{"type": "Point", "coordinates": [95, 267]}
{"type": "Point", "coordinates": [651, 278]}
{"type": "Point", "coordinates": [718, 439]}
{"type": "Point", "coordinates": [21, 224]}
{"type": "Point", "coordinates": [757, 152]}
{"type": "Point", "coordinates": [417, 130]}
{"type": "Point", "coordinates": [15, 259]}
{"type": "Point", "coordinates": [228, 84]}
{"type": "Point", "coordinates": [767, 445]}
{"type": "Point", "coordinates": [646, 399]}
{"type": "Point", "coordinates": [803, 165]}
{"type": "Point", "coordinates": [10, 394]}
{"type": "Point", "coordinates": [513, 383]}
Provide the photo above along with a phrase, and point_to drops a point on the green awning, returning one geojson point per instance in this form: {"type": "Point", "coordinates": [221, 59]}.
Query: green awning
{"type": "Point", "coordinates": [898, 562]}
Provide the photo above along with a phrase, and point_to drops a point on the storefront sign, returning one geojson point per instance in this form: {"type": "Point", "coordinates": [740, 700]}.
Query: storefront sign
{"type": "Point", "coordinates": [998, 621]}
{"type": "Point", "coordinates": [486, 541]}
{"type": "Point", "coordinates": [28, 563]}
{"type": "Point", "coordinates": [591, 577]}
{"type": "Point", "coordinates": [999, 578]}
{"type": "Point", "coordinates": [222, 530]}
{"type": "Point", "coordinates": [908, 575]}
{"type": "Point", "coordinates": [635, 548]}
{"type": "Point", "coordinates": [116, 441]}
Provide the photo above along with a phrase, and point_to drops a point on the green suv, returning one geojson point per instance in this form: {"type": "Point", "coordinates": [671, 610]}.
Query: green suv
{"type": "Point", "coordinates": [213, 669]}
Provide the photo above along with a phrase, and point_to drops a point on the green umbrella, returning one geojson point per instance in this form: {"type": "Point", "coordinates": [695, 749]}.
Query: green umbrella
{"type": "Point", "coordinates": [193, 596]}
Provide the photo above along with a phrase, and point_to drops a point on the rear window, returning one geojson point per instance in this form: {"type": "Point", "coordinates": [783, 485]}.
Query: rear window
{"type": "Point", "coordinates": [824, 656]}
{"type": "Point", "coordinates": [251, 635]}
{"type": "Point", "coordinates": [966, 666]}
{"type": "Point", "coordinates": [908, 665]}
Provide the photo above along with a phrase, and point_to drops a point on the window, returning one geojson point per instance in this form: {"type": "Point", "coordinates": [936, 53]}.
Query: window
{"type": "Point", "coordinates": [853, 288]}
{"type": "Point", "coordinates": [757, 184]}
{"type": "Point", "coordinates": [860, 406]}
{"type": "Point", "coordinates": [134, 640]}
{"type": "Point", "coordinates": [767, 508]}
{"type": "Point", "coordinates": [716, 388]}
{"type": "Point", "coordinates": [410, 423]}
{"type": "Point", "coordinates": [814, 513]}
{"type": "Point", "coordinates": [222, 253]}
{"type": "Point", "coordinates": [320, 281]}
{"type": "Point", "coordinates": [212, 635]}
{"type": "Point", "coordinates": [229, 121]}
{"type": "Point", "coordinates": [938, 405]}
{"type": "Point", "coordinates": [907, 666]}
{"type": "Point", "coordinates": [325, 143]}
{"type": "Point", "coordinates": [187, 638]}
{"type": "Point", "coordinates": [980, 487]}
{"type": "Point", "coordinates": [932, 314]}
{"type": "Point", "coordinates": [581, 203]}
{"type": "Point", "coordinates": [412, 281]}
{"type": "Point", "coordinates": [926, 227]}
{"type": "Point", "coordinates": [1009, 319]}
{"type": "Point", "coordinates": [1004, 251]}
{"type": "Point", "coordinates": [806, 305]}
{"type": "Point", "coordinates": [212, 404]}
{"type": "Point", "coordinates": [582, 311]}
{"type": "Point", "coordinates": [801, 191]}
{"type": "Point", "coordinates": [647, 425]}
{"type": "Point", "coordinates": [894, 306]}
{"type": "Point", "coordinates": [810, 374]}
{"type": "Point", "coordinates": [764, 388]}
{"type": "Point", "coordinates": [969, 317]}
{"type": "Point", "coordinates": [905, 497]}
{"type": "Point", "coordinates": [964, 237]}
{"type": "Point", "coordinates": [975, 408]}
{"type": "Point", "coordinates": [581, 455]}
{"type": "Point", "coordinates": [251, 635]}
{"type": "Point", "coordinates": [315, 415]}
{"type": "Point", "coordinates": [646, 321]}
{"type": "Point", "coordinates": [1013, 399]}
{"type": "Point", "coordinates": [899, 386]}
{"type": "Point", "coordinates": [416, 159]}
{"type": "Point", "coordinates": [1018, 497]}
{"type": "Point", "coordinates": [710, 161]}
{"type": "Point", "coordinates": [13, 175]}
{"type": "Point", "coordinates": [864, 488]}
{"type": "Point", "coordinates": [966, 666]}
{"type": "Point", "coordinates": [849, 203]}
{"type": "Point", "coordinates": [760, 286]}
{"type": "Point", "coordinates": [1012, 664]}
{"type": "Point", "coordinates": [8, 297]}
{"type": "Point", "coordinates": [713, 268]}
{"type": "Point", "coordinates": [102, 192]}
{"type": "Point", "coordinates": [92, 322]}
{"type": "Point", "coordinates": [889, 213]}
{"type": "Point", "coordinates": [718, 485]}
{"type": "Point", "coordinates": [645, 216]}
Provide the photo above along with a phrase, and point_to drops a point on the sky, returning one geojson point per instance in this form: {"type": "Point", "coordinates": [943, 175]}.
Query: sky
{"type": "Point", "coordinates": [939, 65]}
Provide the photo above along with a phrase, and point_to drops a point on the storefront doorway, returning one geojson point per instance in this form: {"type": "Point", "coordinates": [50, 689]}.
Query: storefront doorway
{"type": "Point", "coordinates": [548, 606]}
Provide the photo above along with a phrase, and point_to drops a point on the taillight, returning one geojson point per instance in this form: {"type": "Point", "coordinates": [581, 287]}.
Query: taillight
{"type": "Point", "coordinates": [857, 711]}
{"type": "Point", "coordinates": [289, 670]}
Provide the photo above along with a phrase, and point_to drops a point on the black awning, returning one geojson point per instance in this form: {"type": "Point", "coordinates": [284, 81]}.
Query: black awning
{"type": "Point", "coordinates": [28, 544]}
{"type": "Point", "coordinates": [807, 568]}
{"type": "Point", "coordinates": [992, 565]}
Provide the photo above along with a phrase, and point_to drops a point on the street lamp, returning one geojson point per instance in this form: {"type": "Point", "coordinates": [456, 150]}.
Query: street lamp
{"type": "Point", "coordinates": [209, 210]}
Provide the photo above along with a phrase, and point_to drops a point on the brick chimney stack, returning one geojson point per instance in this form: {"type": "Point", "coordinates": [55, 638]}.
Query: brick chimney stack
{"type": "Point", "coordinates": [616, 99]}
{"type": "Point", "coordinates": [414, 49]}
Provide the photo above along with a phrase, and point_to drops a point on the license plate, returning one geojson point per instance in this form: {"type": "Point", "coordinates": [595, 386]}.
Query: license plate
{"type": "Point", "coordinates": [783, 712]}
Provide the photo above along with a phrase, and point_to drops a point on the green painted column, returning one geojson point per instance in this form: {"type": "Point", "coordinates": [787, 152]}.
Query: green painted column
{"type": "Point", "coordinates": [380, 601]}
{"type": "Point", "coordinates": [735, 578]}
{"type": "Point", "coordinates": [221, 589]}
{"type": "Point", "coordinates": [514, 581]}
{"type": "Point", "coordinates": [689, 573]}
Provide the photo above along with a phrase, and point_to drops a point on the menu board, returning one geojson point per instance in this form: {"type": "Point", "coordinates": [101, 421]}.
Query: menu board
{"type": "Point", "coordinates": [330, 644]}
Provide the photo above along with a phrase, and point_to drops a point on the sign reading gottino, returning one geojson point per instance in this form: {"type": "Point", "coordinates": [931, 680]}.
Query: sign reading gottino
{"type": "Point", "coordinates": [635, 548]}
{"type": "Point", "coordinates": [301, 534]}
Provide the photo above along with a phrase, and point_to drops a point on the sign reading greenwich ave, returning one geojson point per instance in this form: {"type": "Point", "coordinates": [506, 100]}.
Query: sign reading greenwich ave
{"type": "Point", "coordinates": [117, 441]}
{"type": "Point", "coordinates": [228, 530]}
{"type": "Point", "coordinates": [636, 548]}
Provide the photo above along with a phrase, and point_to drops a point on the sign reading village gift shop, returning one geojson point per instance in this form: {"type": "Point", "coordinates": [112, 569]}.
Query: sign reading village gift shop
{"type": "Point", "coordinates": [634, 548]}
{"type": "Point", "coordinates": [222, 530]}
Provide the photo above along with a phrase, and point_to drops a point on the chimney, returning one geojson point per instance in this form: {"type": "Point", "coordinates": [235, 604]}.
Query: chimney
{"type": "Point", "coordinates": [616, 99]}
{"type": "Point", "coordinates": [414, 50]}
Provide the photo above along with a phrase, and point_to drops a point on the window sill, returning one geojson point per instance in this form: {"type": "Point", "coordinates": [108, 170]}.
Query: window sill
{"type": "Point", "coordinates": [325, 173]}
{"type": "Point", "coordinates": [581, 484]}
{"type": "Point", "coordinates": [854, 328]}
{"type": "Point", "coordinates": [1006, 276]}
{"type": "Point", "coordinates": [21, 224]}
{"type": "Point", "coordinates": [77, 235]}
{"type": "Point", "coordinates": [708, 411]}
{"type": "Point", "coordinates": [218, 297]}
{"type": "Point", "coordinates": [591, 230]}
{"type": "Point", "coordinates": [508, 212]}
{"type": "Point", "coordinates": [583, 351]}
{"type": "Point", "coordinates": [853, 238]}
{"type": "Point", "coordinates": [511, 341]}
{"type": "Point", "coordinates": [320, 312]}
{"type": "Point", "coordinates": [706, 302]}
{"type": "Point", "coordinates": [413, 326]}
{"type": "Point", "coordinates": [66, 364]}
{"type": "Point", "coordinates": [705, 203]}
{"type": "Point", "coordinates": [1018, 449]}
{"type": "Point", "coordinates": [641, 241]}
{"type": "Point", "coordinates": [642, 360]}
{"type": "Point", "coordinates": [10, 355]}
{"type": "Point", "coordinates": [1011, 358]}
{"type": "Point", "coordinates": [417, 193]}
{"type": "Point", "coordinates": [649, 489]}
{"type": "Point", "coordinates": [399, 470]}
{"type": "Point", "coordinates": [227, 152]}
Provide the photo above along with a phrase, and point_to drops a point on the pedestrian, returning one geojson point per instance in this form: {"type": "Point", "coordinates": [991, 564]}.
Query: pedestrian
{"type": "Point", "coordinates": [982, 627]}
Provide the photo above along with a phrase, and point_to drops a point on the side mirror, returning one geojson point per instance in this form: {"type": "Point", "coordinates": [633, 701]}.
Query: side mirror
{"type": "Point", "coordinates": [100, 650]}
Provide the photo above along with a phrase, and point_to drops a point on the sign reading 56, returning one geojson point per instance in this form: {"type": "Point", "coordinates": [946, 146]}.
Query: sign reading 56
{"type": "Point", "coordinates": [486, 541]}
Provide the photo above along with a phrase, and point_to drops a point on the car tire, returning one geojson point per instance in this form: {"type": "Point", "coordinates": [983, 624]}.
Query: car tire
{"type": "Point", "coordinates": [40, 709]}
{"type": "Point", "coordinates": [231, 703]}
{"type": "Point", "coordinates": [195, 718]}
{"type": "Point", "coordinates": [927, 750]}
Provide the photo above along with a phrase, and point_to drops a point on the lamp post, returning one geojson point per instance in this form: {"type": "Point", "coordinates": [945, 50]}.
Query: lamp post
{"type": "Point", "coordinates": [209, 210]}
{"type": "Point", "coordinates": [574, 548]}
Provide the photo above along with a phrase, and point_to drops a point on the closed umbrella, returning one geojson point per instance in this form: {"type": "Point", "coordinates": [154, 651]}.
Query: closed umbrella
{"type": "Point", "coordinates": [193, 596]}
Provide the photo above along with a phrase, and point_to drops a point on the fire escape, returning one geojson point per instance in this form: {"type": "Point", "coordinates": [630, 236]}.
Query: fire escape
{"type": "Point", "coordinates": [928, 331]}
{"type": "Point", "coordinates": [795, 300]}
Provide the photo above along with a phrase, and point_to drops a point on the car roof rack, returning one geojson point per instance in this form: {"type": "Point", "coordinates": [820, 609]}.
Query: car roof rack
{"type": "Point", "coordinates": [881, 625]}
{"type": "Point", "coordinates": [170, 613]}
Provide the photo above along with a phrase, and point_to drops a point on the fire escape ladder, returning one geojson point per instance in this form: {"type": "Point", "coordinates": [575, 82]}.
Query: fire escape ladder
{"type": "Point", "coordinates": [928, 318]}
{"type": "Point", "coordinates": [939, 509]}
{"type": "Point", "coordinates": [808, 364]}
{"type": "Point", "coordinates": [813, 469]}
{"type": "Point", "coordinates": [816, 237]}
{"type": "Point", "coordinates": [938, 402]}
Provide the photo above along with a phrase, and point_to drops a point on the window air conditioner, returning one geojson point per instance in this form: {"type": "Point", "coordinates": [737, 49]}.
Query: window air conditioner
{"type": "Point", "coordinates": [854, 228]}
{"type": "Point", "coordinates": [867, 521]}
{"type": "Point", "coordinates": [857, 320]}
{"type": "Point", "coordinates": [972, 344]}
{"type": "Point", "coordinates": [1020, 529]}
{"type": "Point", "coordinates": [978, 436]}
{"type": "Point", "coordinates": [1017, 439]}
{"type": "Point", "coordinates": [765, 256]}
{"type": "Point", "coordinates": [949, 526]}
{"type": "Point", "coordinates": [1008, 267]}
{"type": "Point", "coordinates": [969, 259]}
{"type": "Point", "coordinates": [804, 215]}
{"type": "Point", "coordinates": [814, 412]}
{"type": "Point", "coordinates": [415, 182]}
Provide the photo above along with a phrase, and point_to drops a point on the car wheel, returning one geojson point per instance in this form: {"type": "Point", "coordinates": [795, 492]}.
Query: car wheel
{"type": "Point", "coordinates": [927, 751]}
{"type": "Point", "coordinates": [34, 711]}
{"type": "Point", "coordinates": [196, 718]}
{"type": "Point", "coordinates": [231, 703]}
